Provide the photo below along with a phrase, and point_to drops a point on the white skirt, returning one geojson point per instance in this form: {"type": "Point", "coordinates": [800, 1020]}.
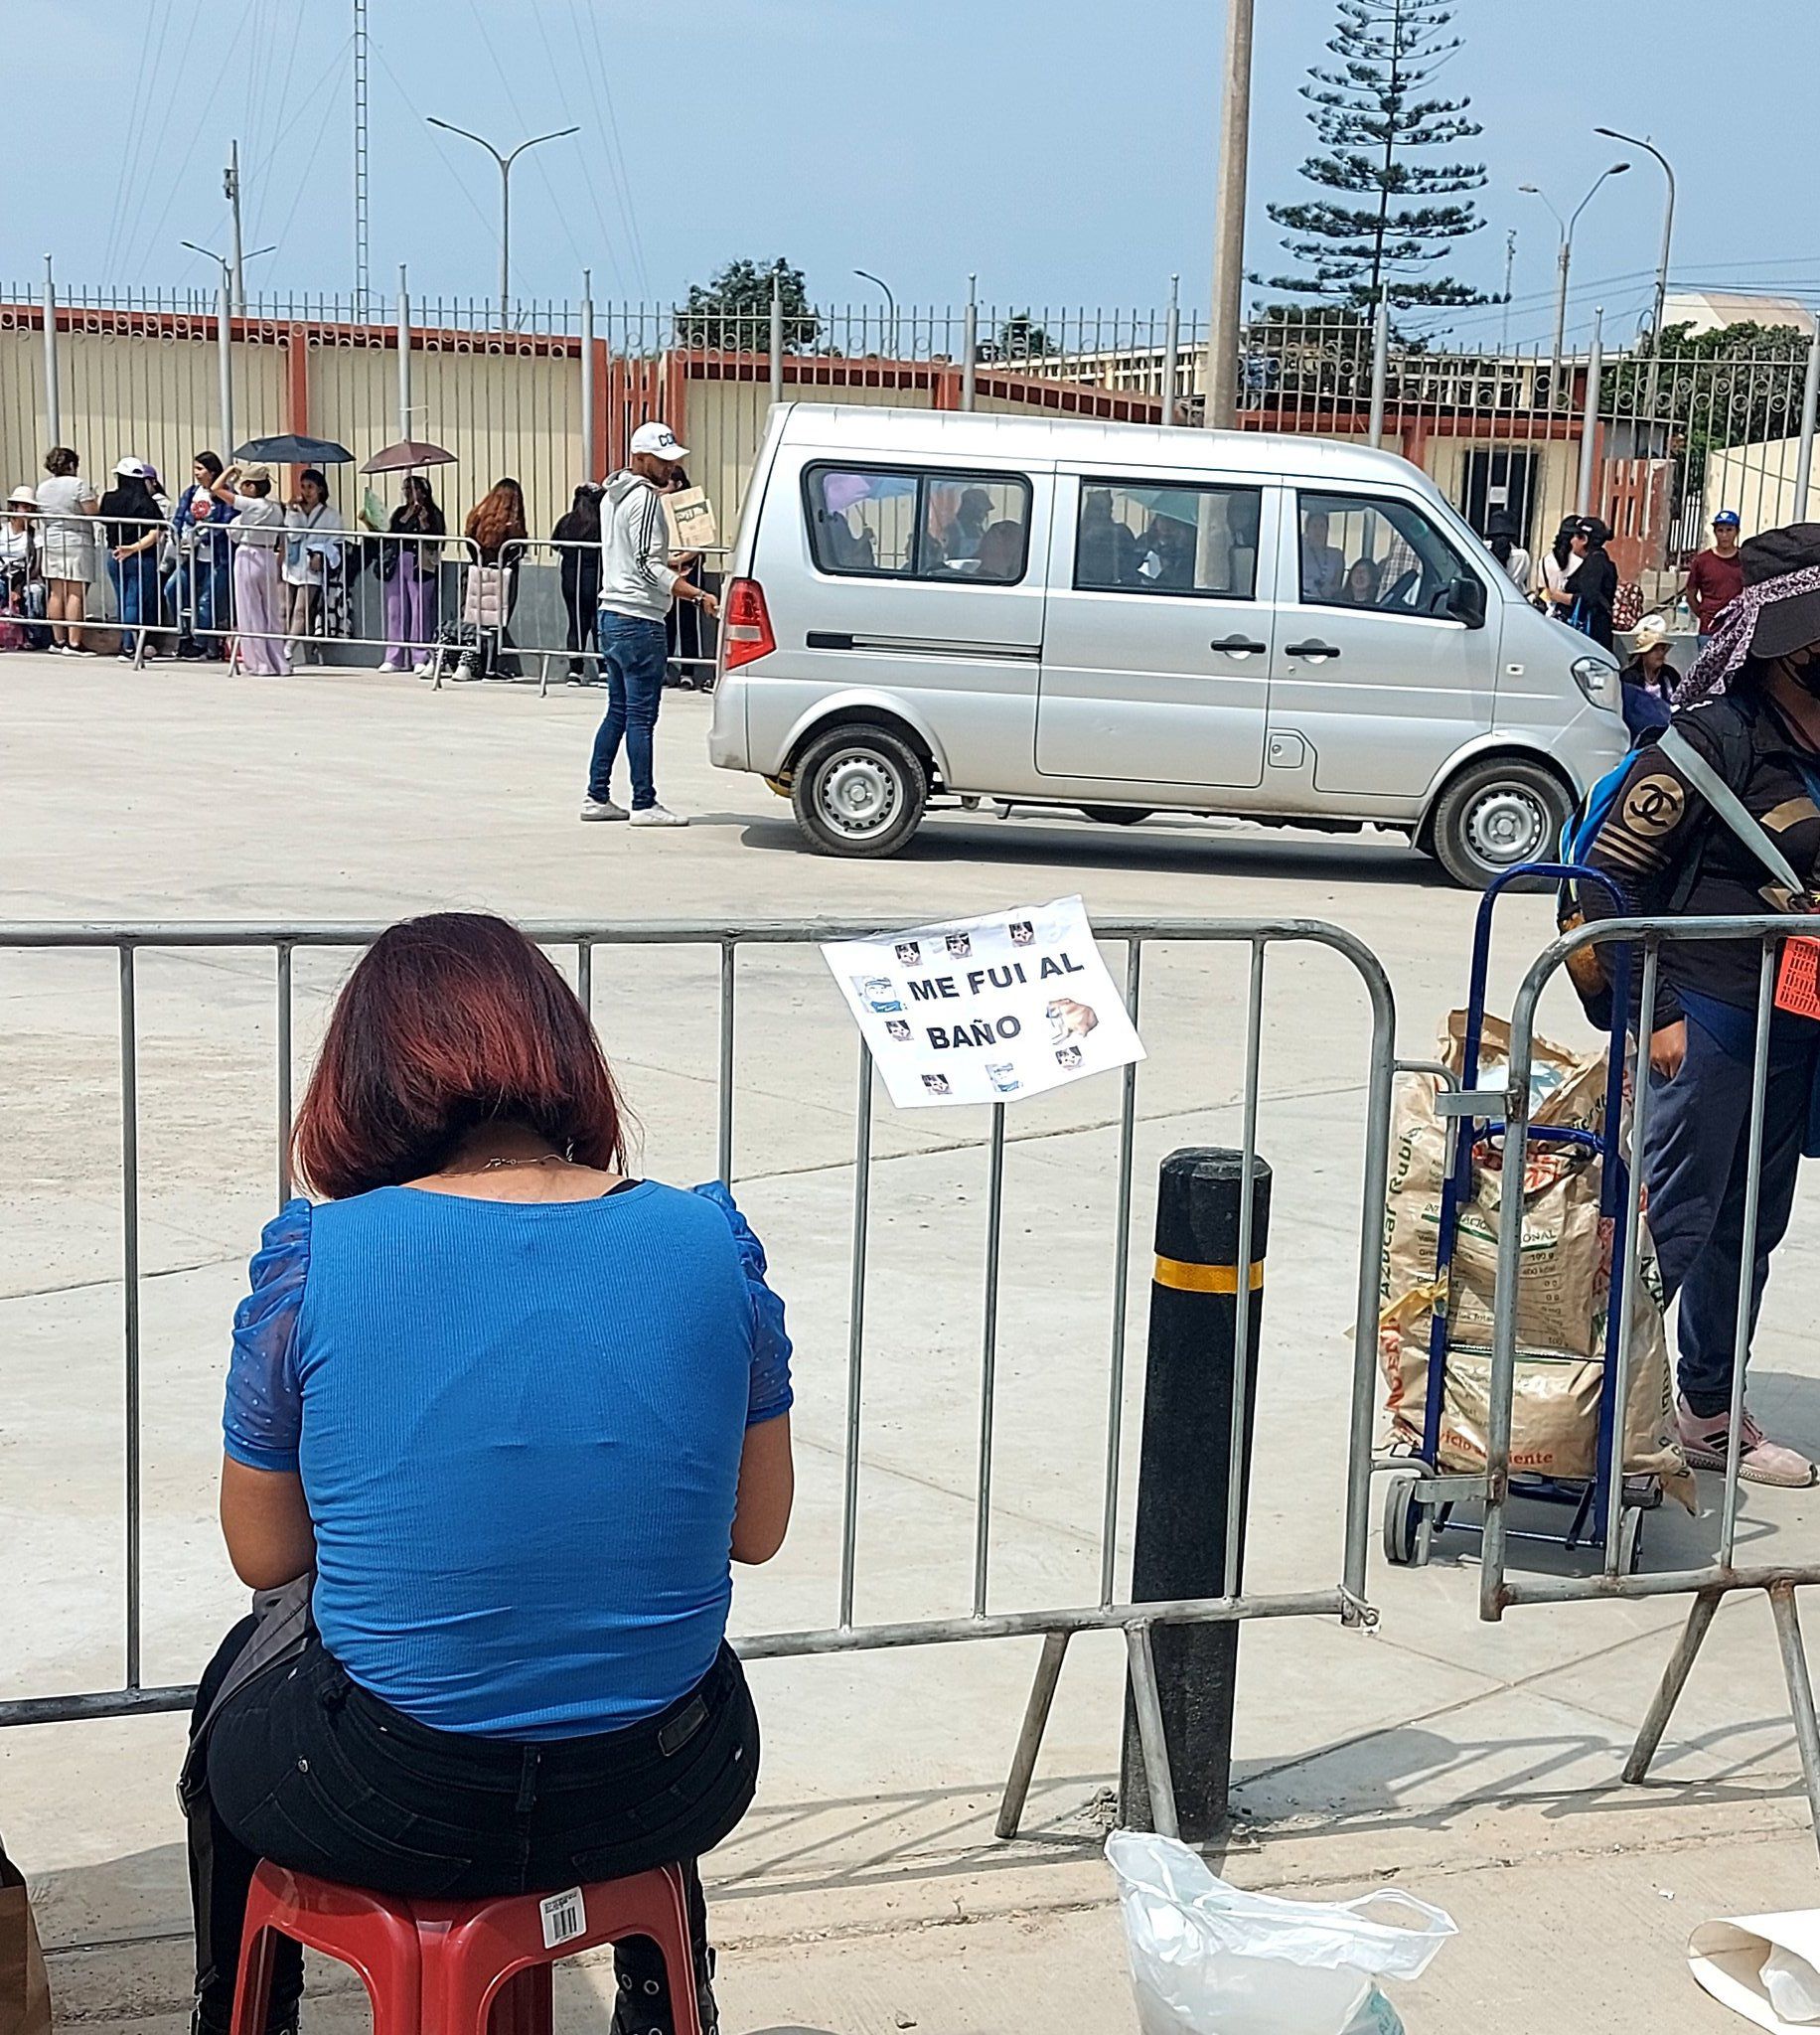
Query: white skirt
{"type": "Point", "coordinates": [68, 554]}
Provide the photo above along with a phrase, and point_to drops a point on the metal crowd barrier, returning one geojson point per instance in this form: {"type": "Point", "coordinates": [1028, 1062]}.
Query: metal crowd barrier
{"type": "Point", "coordinates": [351, 609]}
{"type": "Point", "coordinates": [1344, 1599]}
{"type": "Point", "coordinates": [1709, 1584]}
{"type": "Point", "coordinates": [192, 586]}
{"type": "Point", "coordinates": [541, 619]}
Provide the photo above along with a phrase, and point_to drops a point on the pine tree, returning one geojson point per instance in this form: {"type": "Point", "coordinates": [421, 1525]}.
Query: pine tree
{"type": "Point", "coordinates": [1369, 111]}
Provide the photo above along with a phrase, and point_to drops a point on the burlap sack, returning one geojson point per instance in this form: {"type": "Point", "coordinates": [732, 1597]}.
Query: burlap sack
{"type": "Point", "coordinates": [25, 1992]}
{"type": "Point", "coordinates": [1562, 1286]}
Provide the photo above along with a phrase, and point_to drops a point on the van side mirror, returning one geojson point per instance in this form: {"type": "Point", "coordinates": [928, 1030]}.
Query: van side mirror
{"type": "Point", "coordinates": [1466, 602]}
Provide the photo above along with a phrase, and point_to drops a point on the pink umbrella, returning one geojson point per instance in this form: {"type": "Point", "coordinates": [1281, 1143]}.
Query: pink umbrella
{"type": "Point", "coordinates": [406, 454]}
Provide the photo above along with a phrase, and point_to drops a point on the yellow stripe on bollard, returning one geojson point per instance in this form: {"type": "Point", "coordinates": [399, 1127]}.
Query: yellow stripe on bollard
{"type": "Point", "coordinates": [1186, 1278]}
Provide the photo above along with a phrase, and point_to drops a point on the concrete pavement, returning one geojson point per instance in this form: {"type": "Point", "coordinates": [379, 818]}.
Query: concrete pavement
{"type": "Point", "coordinates": [1476, 1764]}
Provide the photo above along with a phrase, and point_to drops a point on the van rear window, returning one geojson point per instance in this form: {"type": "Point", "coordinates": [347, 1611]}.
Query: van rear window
{"type": "Point", "coordinates": [899, 523]}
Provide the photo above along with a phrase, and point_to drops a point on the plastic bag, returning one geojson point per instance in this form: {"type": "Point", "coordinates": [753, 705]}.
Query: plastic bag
{"type": "Point", "coordinates": [1208, 1959]}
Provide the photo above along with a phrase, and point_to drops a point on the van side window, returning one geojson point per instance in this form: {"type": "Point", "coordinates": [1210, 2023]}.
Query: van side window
{"type": "Point", "coordinates": [889, 522]}
{"type": "Point", "coordinates": [1374, 551]}
{"type": "Point", "coordinates": [1135, 538]}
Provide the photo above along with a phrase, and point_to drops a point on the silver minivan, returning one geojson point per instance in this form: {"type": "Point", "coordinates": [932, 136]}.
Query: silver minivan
{"type": "Point", "coordinates": [1125, 619]}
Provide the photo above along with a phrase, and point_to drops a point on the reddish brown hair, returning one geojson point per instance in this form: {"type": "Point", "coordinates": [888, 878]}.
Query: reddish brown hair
{"type": "Point", "coordinates": [448, 1022]}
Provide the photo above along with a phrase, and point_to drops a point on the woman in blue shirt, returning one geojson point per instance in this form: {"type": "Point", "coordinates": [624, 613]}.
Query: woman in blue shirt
{"type": "Point", "coordinates": [501, 1416]}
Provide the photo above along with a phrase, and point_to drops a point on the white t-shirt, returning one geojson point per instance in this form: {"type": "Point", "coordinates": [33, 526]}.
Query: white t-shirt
{"type": "Point", "coordinates": [1517, 565]}
{"type": "Point", "coordinates": [308, 545]}
{"type": "Point", "coordinates": [1554, 576]}
{"type": "Point", "coordinates": [67, 499]}
{"type": "Point", "coordinates": [258, 520]}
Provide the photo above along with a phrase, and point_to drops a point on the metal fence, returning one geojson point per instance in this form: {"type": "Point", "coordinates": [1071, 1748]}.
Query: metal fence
{"type": "Point", "coordinates": [979, 1618]}
{"type": "Point", "coordinates": [1709, 1584]}
{"type": "Point", "coordinates": [1654, 435]}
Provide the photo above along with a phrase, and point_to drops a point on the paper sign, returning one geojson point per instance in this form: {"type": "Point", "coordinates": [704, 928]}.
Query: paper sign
{"type": "Point", "coordinates": [986, 1010]}
{"type": "Point", "coordinates": [690, 517]}
{"type": "Point", "coordinates": [1797, 983]}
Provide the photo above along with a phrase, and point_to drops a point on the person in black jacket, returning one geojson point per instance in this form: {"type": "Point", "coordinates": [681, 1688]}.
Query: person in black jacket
{"type": "Point", "coordinates": [1594, 584]}
{"type": "Point", "coordinates": [578, 533]}
{"type": "Point", "coordinates": [1750, 709]}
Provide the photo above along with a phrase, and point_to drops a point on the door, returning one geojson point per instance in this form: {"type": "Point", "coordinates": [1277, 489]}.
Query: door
{"type": "Point", "coordinates": [1371, 670]}
{"type": "Point", "coordinates": [1499, 486]}
{"type": "Point", "coordinates": [1157, 648]}
{"type": "Point", "coordinates": [925, 584]}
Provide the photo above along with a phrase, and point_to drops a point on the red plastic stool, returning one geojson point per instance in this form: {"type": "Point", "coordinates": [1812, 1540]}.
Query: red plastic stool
{"type": "Point", "coordinates": [460, 1968]}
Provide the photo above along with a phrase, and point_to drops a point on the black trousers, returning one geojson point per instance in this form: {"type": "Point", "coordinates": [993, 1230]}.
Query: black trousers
{"type": "Point", "coordinates": [305, 1768]}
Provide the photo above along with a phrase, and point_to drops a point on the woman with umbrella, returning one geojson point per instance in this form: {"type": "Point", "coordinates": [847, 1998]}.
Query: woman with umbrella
{"type": "Point", "coordinates": [412, 569]}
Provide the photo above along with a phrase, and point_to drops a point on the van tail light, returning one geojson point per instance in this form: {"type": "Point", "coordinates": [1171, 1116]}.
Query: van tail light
{"type": "Point", "coordinates": [746, 630]}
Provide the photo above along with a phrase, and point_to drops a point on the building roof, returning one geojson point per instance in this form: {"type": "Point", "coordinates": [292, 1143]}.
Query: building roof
{"type": "Point", "coordinates": [1714, 311]}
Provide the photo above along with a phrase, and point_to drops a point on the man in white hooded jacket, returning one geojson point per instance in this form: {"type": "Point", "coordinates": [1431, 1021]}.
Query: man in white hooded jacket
{"type": "Point", "coordinates": [636, 586]}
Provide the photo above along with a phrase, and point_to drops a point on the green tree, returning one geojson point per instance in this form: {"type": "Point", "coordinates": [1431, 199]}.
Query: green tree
{"type": "Point", "coordinates": [1019, 338]}
{"type": "Point", "coordinates": [1371, 111]}
{"type": "Point", "coordinates": [733, 311]}
{"type": "Point", "coordinates": [1735, 385]}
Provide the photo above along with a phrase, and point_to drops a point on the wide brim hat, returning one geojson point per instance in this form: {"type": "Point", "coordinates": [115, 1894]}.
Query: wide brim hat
{"type": "Point", "coordinates": [1785, 620]}
{"type": "Point", "coordinates": [1777, 612]}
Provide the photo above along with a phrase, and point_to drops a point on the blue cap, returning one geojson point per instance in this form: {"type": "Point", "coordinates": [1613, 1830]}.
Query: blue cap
{"type": "Point", "coordinates": [1727, 516]}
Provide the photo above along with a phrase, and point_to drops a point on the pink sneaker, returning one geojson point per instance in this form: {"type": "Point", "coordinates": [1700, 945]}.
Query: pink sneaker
{"type": "Point", "coordinates": [1759, 1460]}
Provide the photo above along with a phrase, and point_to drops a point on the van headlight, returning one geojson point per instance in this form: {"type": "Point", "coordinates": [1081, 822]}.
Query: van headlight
{"type": "Point", "coordinates": [1597, 678]}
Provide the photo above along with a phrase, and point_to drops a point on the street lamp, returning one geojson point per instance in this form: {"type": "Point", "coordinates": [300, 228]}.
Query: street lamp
{"type": "Point", "coordinates": [227, 265]}
{"type": "Point", "coordinates": [1565, 253]}
{"type": "Point", "coordinates": [1668, 218]}
{"type": "Point", "coordinates": [505, 162]}
{"type": "Point", "coordinates": [866, 275]}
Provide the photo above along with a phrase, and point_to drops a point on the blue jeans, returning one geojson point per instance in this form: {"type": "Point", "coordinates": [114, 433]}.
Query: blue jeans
{"type": "Point", "coordinates": [1694, 1165]}
{"type": "Point", "coordinates": [136, 583]}
{"type": "Point", "coordinates": [632, 653]}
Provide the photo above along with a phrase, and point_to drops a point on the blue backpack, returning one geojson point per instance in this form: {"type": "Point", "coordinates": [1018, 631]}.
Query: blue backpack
{"type": "Point", "coordinates": [1588, 967]}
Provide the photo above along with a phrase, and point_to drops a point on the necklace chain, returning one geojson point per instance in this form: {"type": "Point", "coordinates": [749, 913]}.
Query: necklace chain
{"type": "Point", "coordinates": [542, 1159]}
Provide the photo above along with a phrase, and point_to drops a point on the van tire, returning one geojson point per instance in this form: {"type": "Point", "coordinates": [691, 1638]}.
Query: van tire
{"type": "Point", "coordinates": [1496, 815]}
{"type": "Point", "coordinates": [859, 791]}
{"type": "Point", "coordinates": [1116, 816]}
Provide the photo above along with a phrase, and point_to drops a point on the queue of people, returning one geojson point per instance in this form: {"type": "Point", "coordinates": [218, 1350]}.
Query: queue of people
{"type": "Point", "coordinates": [229, 570]}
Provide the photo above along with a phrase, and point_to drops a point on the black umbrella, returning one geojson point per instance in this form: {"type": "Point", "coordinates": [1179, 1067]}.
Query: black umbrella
{"type": "Point", "coordinates": [291, 449]}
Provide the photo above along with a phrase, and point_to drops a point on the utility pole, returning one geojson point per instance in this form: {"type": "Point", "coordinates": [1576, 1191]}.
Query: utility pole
{"type": "Point", "coordinates": [505, 159]}
{"type": "Point", "coordinates": [363, 249]}
{"type": "Point", "coordinates": [1510, 269]}
{"type": "Point", "coordinates": [1225, 325]}
{"type": "Point", "coordinates": [231, 188]}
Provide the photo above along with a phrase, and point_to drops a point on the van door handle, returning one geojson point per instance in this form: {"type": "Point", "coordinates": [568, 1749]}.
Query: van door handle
{"type": "Point", "coordinates": [1237, 645]}
{"type": "Point", "coordinates": [1313, 647]}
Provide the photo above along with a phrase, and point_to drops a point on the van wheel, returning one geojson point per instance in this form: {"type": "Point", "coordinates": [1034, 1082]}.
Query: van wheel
{"type": "Point", "coordinates": [858, 791]}
{"type": "Point", "coordinates": [1115, 816]}
{"type": "Point", "coordinates": [1496, 815]}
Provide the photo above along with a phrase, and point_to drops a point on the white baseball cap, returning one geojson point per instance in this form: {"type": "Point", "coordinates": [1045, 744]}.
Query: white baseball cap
{"type": "Point", "coordinates": [660, 441]}
{"type": "Point", "coordinates": [132, 469]}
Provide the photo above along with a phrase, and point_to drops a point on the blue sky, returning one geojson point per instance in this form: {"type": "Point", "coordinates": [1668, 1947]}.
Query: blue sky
{"type": "Point", "coordinates": [1063, 150]}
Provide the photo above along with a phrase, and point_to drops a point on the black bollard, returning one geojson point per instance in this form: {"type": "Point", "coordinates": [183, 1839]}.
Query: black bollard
{"type": "Point", "coordinates": [1184, 1473]}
